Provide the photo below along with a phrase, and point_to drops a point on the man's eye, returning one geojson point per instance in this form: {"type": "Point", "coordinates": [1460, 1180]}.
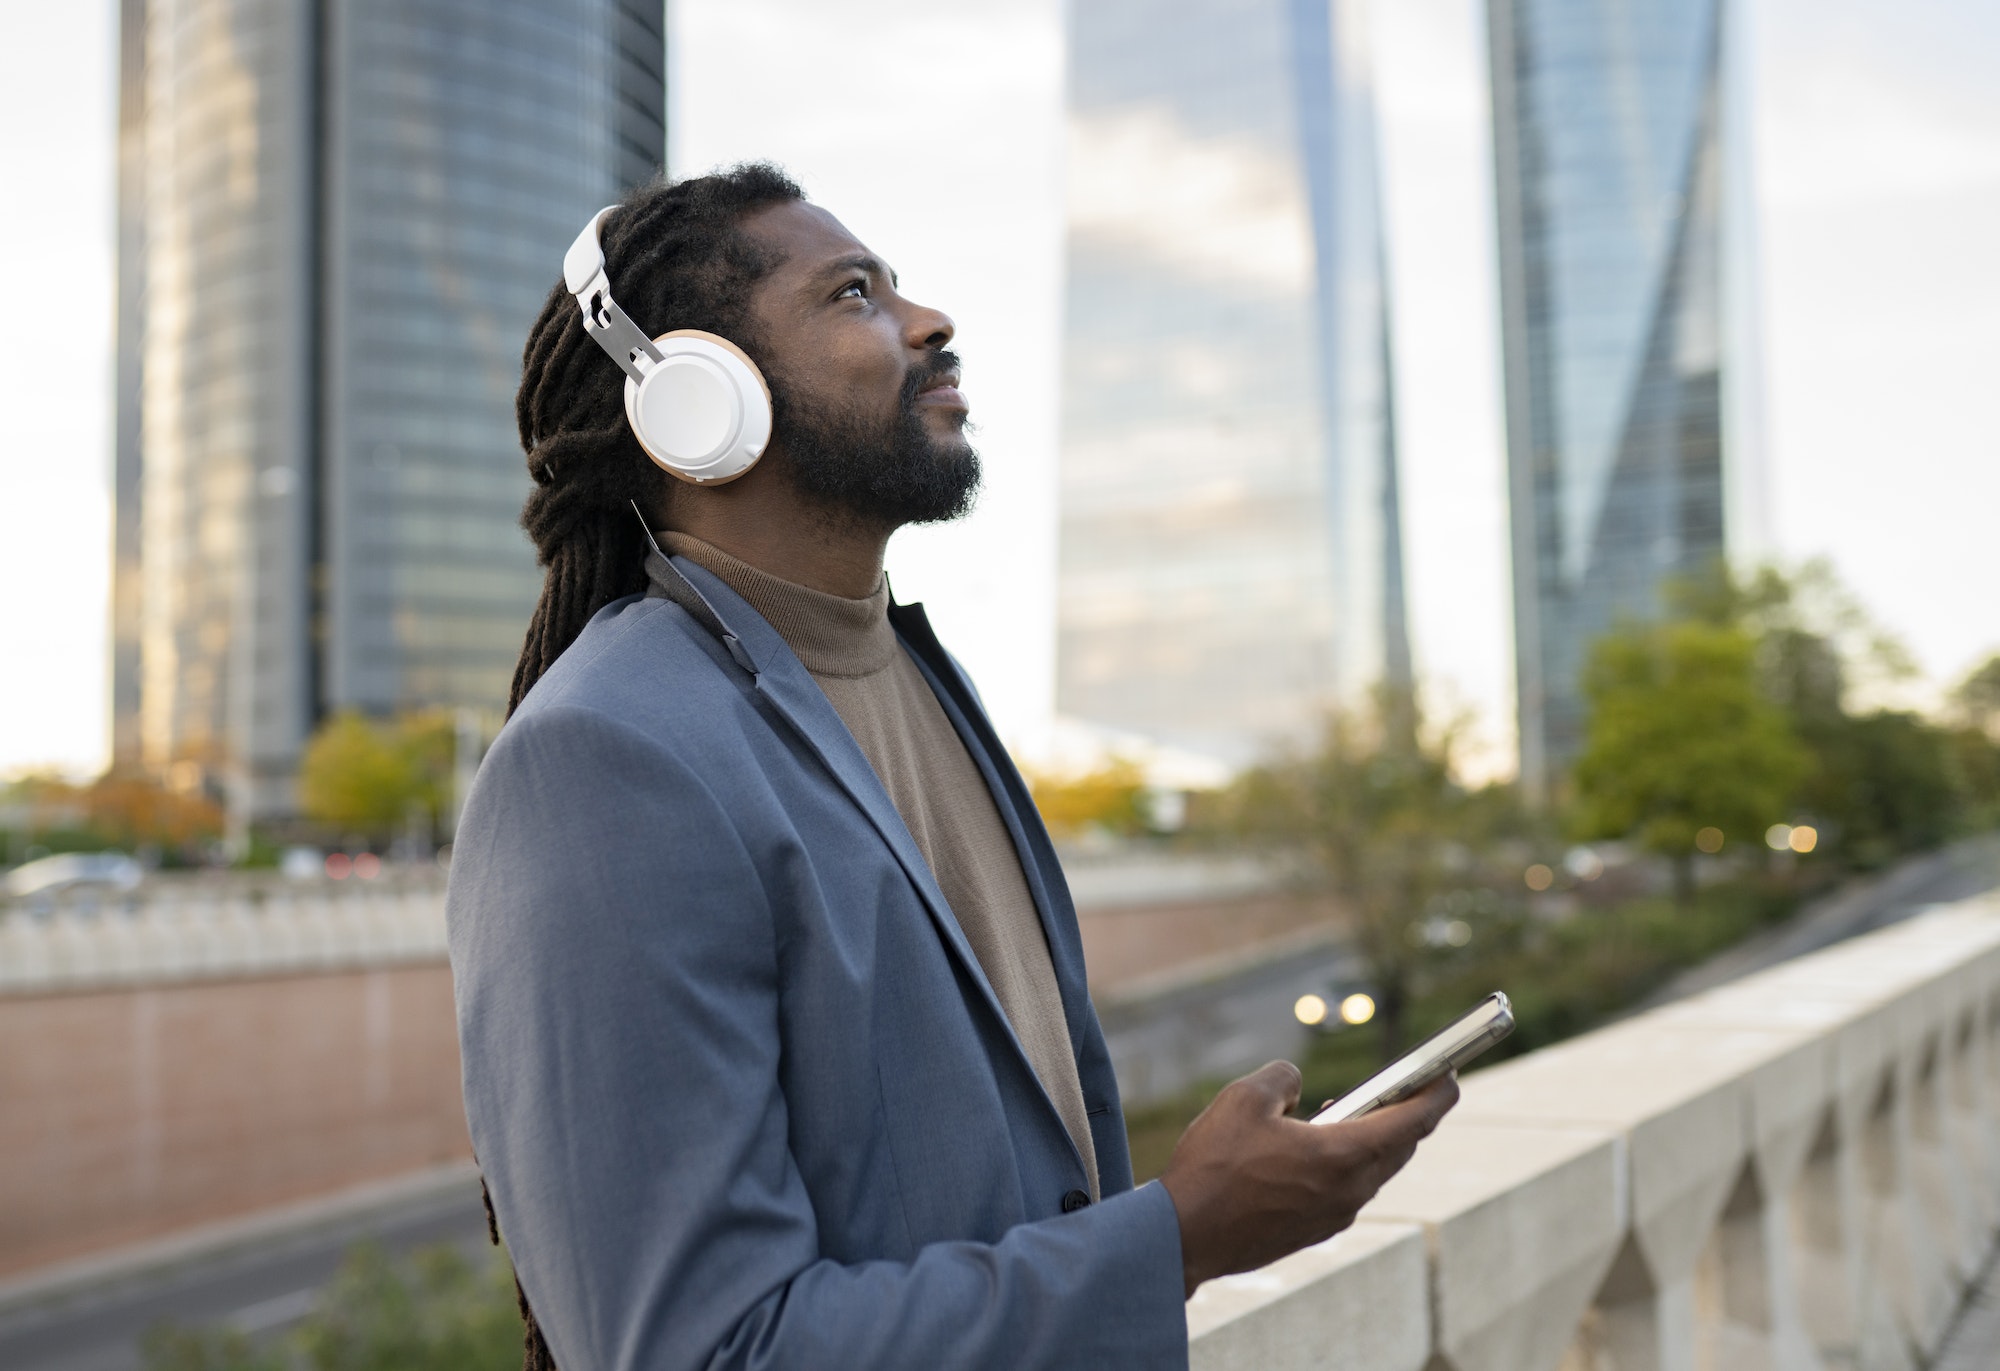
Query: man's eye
{"type": "Point", "coordinates": [853, 290]}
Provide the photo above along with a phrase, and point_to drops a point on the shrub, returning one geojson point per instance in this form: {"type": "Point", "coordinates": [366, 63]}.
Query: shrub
{"type": "Point", "coordinates": [431, 1311]}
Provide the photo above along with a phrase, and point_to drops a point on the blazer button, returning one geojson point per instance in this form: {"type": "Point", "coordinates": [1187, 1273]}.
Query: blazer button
{"type": "Point", "coordinates": [1075, 1200]}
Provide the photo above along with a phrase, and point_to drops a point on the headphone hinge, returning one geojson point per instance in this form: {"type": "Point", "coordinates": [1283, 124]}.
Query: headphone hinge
{"type": "Point", "coordinates": [613, 330]}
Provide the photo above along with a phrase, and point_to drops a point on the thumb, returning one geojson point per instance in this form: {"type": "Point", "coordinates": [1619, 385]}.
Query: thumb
{"type": "Point", "coordinates": [1277, 1084]}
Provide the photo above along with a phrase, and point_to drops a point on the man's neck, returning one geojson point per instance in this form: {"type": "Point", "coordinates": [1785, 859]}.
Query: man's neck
{"type": "Point", "coordinates": [773, 529]}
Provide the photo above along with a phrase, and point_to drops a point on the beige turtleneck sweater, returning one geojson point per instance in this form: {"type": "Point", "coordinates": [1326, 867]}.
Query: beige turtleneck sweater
{"type": "Point", "coordinates": [851, 650]}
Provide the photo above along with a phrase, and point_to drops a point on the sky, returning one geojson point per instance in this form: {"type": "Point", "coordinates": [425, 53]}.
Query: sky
{"type": "Point", "coordinates": [935, 131]}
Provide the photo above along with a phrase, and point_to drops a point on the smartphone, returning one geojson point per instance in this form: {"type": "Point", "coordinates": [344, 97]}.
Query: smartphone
{"type": "Point", "coordinates": [1490, 1020]}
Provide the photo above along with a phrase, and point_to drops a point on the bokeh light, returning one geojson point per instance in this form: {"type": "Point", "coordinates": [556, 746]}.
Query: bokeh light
{"type": "Point", "coordinates": [1778, 837]}
{"type": "Point", "coordinates": [1357, 1008]}
{"type": "Point", "coordinates": [1709, 840]}
{"type": "Point", "coordinates": [1309, 1010]}
{"type": "Point", "coordinates": [1803, 838]}
{"type": "Point", "coordinates": [1539, 877]}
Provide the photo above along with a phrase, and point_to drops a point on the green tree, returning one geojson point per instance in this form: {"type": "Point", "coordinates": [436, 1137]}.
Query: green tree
{"type": "Point", "coordinates": [1975, 742]}
{"type": "Point", "coordinates": [361, 776]}
{"type": "Point", "coordinates": [1681, 738]}
{"type": "Point", "coordinates": [358, 777]}
{"type": "Point", "coordinates": [1976, 699]}
{"type": "Point", "coordinates": [429, 739]}
{"type": "Point", "coordinates": [131, 812]}
{"type": "Point", "coordinates": [1975, 769]}
{"type": "Point", "coordinates": [1110, 798]}
{"type": "Point", "coordinates": [1884, 783]}
{"type": "Point", "coordinates": [1382, 825]}
{"type": "Point", "coordinates": [1879, 781]}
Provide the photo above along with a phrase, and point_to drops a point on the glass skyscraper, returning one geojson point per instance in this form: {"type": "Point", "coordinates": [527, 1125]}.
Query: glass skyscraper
{"type": "Point", "coordinates": [340, 219]}
{"type": "Point", "coordinates": [1230, 556]}
{"type": "Point", "coordinates": [1626, 326]}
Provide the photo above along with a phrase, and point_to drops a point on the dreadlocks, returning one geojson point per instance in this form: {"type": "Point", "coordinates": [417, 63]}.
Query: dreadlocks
{"type": "Point", "coordinates": [676, 260]}
{"type": "Point", "coordinates": [676, 257]}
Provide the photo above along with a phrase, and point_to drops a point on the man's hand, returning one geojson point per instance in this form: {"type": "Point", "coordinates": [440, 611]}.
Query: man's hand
{"type": "Point", "coordinates": [1251, 1185]}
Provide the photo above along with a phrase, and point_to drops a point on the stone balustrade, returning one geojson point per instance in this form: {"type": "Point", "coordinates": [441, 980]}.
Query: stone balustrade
{"type": "Point", "coordinates": [195, 932]}
{"type": "Point", "coordinates": [1799, 1171]}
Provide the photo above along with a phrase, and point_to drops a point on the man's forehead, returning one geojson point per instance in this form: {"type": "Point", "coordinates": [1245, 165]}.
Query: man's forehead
{"type": "Point", "coordinates": [807, 238]}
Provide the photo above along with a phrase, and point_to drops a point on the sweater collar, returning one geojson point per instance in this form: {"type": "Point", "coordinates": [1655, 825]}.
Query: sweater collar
{"type": "Point", "coordinates": [830, 634]}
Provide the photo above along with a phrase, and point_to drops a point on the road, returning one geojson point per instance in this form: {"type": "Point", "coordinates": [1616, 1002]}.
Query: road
{"type": "Point", "coordinates": [258, 1286]}
{"type": "Point", "coordinates": [1964, 869]}
{"type": "Point", "coordinates": [1215, 1022]}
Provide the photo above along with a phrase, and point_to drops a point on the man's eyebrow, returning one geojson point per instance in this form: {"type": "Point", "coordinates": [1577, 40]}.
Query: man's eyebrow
{"type": "Point", "coordinates": [854, 261]}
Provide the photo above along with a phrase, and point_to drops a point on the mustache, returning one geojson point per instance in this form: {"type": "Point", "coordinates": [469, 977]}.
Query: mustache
{"type": "Point", "coordinates": [941, 363]}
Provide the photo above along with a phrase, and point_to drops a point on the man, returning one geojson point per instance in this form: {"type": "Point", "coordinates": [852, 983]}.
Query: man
{"type": "Point", "coordinates": [777, 1046]}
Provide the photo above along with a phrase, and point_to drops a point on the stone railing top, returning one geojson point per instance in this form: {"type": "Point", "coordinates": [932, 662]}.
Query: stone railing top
{"type": "Point", "coordinates": [1126, 877]}
{"type": "Point", "coordinates": [1800, 1169]}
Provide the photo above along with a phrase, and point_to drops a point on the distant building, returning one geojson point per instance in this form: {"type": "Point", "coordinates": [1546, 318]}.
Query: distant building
{"type": "Point", "coordinates": [336, 223]}
{"type": "Point", "coordinates": [1230, 547]}
{"type": "Point", "coordinates": [1627, 326]}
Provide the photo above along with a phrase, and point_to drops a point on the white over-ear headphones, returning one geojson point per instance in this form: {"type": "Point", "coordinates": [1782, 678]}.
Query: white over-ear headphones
{"type": "Point", "coordinates": [696, 403]}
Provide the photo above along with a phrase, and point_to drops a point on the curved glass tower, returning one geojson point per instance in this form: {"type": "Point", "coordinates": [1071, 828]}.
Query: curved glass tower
{"type": "Point", "coordinates": [350, 212]}
{"type": "Point", "coordinates": [1625, 318]}
{"type": "Point", "coordinates": [1230, 558]}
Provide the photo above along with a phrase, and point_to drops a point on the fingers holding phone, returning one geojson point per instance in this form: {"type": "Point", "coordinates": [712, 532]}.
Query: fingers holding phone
{"type": "Point", "coordinates": [1379, 1144]}
{"type": "Point", "coordinates": [1250, 1184]}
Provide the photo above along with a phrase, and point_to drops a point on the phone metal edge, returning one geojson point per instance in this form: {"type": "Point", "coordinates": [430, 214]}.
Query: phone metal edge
{"type": "Point", "coordinates": [1495, 1030]}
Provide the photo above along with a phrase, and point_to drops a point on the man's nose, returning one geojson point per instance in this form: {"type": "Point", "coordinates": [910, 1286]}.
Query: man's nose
{"type": "Point", "coordinates": [929, 328]}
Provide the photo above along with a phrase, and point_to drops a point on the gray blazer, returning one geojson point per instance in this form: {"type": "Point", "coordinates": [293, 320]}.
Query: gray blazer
{"type": "Point", "coordinates": [741, 1093]}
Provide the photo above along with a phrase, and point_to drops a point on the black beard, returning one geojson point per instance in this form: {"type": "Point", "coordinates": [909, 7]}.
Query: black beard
{"type": "Point", "coordinates": [886, 476]}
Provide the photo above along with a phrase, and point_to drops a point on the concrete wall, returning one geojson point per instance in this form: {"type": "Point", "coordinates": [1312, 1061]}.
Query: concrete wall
{"type": "Point", "coordinates": [197, 930]}
{"type": "Point", "coordinates": [1796, 1172]}
{"type": "Point", "coordinates": [132, 1112]}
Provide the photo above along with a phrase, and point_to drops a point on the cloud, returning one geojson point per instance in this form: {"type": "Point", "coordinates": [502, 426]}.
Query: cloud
{"type": "Point", "coordinates": [1225, 209]}
{"type": "Point", "coordinates": [1837, 129]}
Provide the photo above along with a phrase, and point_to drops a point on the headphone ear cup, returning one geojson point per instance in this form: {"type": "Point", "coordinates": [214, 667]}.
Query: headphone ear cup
{"type": "Point", "coordinates": [703, 412]}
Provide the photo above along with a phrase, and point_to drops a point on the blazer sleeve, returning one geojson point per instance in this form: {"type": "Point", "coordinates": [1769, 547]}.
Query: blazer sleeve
{"type": "Point", "coordinates": [615, 958]}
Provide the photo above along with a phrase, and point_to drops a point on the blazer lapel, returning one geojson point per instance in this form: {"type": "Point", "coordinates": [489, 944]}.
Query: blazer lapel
{"type": "Point", "coordinates": [1010, 794]}
{"type": "Point", "coordinates": [783, 682]}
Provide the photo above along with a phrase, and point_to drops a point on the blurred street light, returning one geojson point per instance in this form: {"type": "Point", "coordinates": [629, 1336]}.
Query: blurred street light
{"type": "Point", "coordinates": [1584, 864]}
{"type": "Point", "coordinates": [1791, 837]}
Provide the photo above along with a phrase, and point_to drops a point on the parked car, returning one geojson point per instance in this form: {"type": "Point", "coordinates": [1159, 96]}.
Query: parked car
{"type": "Point", "coordinates": [68, 870]}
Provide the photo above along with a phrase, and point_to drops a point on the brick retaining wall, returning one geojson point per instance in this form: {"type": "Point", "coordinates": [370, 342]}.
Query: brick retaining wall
{"type": "Point", "coordinates": [206, 1054]}
{"type": "Point", "coordinates": [129, 1113]}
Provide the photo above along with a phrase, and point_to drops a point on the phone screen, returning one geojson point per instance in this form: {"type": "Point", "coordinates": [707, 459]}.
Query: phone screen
{"type": "Point", "coordinates": [1452, 1047]}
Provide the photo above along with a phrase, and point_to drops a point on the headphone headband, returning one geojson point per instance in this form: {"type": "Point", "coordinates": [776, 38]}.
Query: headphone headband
{"type": "Point", "coordinates": [609, 326]}
{"type": "Point", "coordinates": [696, 403]}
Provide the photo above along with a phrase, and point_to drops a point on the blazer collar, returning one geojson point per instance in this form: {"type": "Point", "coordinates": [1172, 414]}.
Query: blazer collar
{"type": "Point", "coordinates": [783, 682]}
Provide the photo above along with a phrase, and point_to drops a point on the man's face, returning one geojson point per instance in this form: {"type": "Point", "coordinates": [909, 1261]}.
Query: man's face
{"type": "Point", "coordinates": [868, 417]}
